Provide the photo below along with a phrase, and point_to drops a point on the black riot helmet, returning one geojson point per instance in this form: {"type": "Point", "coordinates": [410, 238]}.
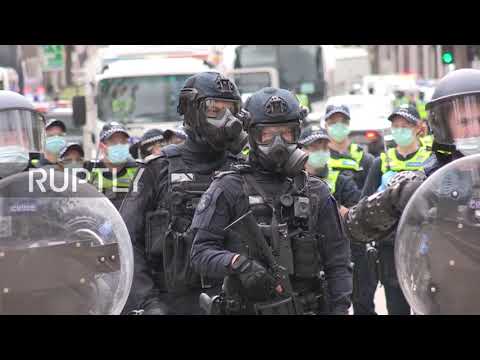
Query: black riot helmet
{"type": "Point", "coordinates": [272, 119]}
{"type": "Point", "coordinates": [209, 103]}
{"type": "Point", "coordinates": [454, 111]}
{"type": "Point", "coordinates": [21, 132]}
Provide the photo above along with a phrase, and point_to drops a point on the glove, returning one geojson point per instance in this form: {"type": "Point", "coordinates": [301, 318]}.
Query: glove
{"type": "Point", "coordinates": [403, 186]}
{"type": "Point", "coordinates": [256, 281]}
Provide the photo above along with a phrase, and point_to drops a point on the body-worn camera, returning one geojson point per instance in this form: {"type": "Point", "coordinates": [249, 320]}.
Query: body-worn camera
{"type": "Point", "coordinates": [301, 207]}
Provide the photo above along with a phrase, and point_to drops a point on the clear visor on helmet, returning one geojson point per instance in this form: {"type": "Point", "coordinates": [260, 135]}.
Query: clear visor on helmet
{"type": "Point", "coordinates": [23, 128]}
{"type": "Point", "coordinates": [215, 106]}
{"type": "Point", "coordinates": [456, 118]}
{"type": "Point", "coordinates": [265, 134]}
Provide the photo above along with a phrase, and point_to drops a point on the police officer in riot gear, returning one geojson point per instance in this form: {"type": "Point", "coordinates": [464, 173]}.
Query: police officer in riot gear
{"type": "Point", "coordinates": [269, 228]}
{"type": "Point", "coordinates": [159, 215]}
{"type": "Point", "coordinates": [62, 251]}
{"type": "Point", "coordinates": [437, 253]}
{"type": "Point", "coordinates": [454, 111]}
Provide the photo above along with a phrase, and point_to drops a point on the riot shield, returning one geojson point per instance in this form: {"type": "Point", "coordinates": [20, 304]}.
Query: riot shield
{"type": "Point", "coordinates": [64, 248]}
{"type": "Point", "coordinates": [437, 246]}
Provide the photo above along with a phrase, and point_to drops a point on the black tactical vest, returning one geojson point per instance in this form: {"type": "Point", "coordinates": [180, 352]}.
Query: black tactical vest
{"type": "Point", "coordinates": [297, 246]}
{"type": "Point", "coordinates": [168, 228]}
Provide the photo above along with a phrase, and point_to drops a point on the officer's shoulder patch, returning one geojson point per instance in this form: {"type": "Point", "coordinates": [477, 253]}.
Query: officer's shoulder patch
{"type": "Point", "coordinates": [204, 202]}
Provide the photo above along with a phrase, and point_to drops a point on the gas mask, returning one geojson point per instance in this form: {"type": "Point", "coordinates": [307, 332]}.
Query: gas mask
{"type": "Point", "coordinates": [224, 132]}
{"type": "Point", "coordinates": [276, 148]}
{"type": "Point", "coordinates": [220, 128]}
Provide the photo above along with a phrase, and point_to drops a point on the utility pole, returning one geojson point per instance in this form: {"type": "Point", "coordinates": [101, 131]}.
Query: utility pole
{"type": "Point", "coordinates": [461, 57]}
{"type": "Point", "coordinates": [68, 64]}
{"type": "Point", "coordinates": [374, 55]}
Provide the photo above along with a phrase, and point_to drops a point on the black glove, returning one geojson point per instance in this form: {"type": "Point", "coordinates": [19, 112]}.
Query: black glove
{"type": "Point", "coordinates": [257, 282]}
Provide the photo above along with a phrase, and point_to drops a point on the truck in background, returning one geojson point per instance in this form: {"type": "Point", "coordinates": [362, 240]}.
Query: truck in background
{"type": "Point", "coordinates": [298, 68]}
{"type": "Point", "coordinates": [141, 94]}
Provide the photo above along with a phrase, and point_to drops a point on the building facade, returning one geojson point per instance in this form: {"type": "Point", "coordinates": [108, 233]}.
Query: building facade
{"type": "Point", "coordinates": [423, 60]}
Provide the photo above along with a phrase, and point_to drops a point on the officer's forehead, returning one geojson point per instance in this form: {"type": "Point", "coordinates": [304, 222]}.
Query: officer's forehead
{"type": "Point", "coordinates": [73, 152]}
{"type": "Point", "coordinates": [337, 117]}
{"type": "Point", "coordinates": [317, 144]}
{"type": "Point", "coordinates": [54, 129]}
{"type": "Point", "coordinates": [117, 137]}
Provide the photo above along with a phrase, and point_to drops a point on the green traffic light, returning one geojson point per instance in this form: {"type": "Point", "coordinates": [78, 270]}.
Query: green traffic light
{"type": "Point", "coordinates": [447, 57]}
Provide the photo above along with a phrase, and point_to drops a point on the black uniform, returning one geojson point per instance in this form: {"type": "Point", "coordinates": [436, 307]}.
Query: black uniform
{"type": "Point", "coordinates": [142, 213]}
{"type": "Point", "coordinates": [293, 234]}
{"type": "Point", "coordinates": [159, 214]}
{"type": "Point", "coordinates": [226, 200]}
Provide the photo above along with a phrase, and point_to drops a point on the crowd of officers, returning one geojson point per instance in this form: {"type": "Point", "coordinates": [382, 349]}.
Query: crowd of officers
{"type": "Point", "coordinates": [245, 206]}
{"type": "Point", "coordinates": [118, 154]}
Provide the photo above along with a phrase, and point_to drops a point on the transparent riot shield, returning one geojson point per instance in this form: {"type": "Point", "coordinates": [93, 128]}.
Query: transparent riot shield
{"type": "Point", "coordinates": [64, 249]}
{"type": "Point", "coordinates": [437, 246]}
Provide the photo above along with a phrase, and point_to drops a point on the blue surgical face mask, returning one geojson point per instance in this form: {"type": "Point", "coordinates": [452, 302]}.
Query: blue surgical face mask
{"type": "Point", "coordinates": [54, 144]}
{"type": "Point", "coordinates": [118, 154]}
{"type": "Point", "coordinates": [338, 131]}
{"type": "Point", "coordinates": [13, 159]}
{"type": "Point", "coordinates": [318, 159]}
{"type": "Point", "coordinates": [403, 136]}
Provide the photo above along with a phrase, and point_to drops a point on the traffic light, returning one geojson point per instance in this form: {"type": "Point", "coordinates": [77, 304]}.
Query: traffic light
{"type": "Point", "coordinates": [447, 54]}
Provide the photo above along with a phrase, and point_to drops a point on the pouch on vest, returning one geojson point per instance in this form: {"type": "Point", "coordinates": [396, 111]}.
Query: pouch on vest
{"type": "Point", "coordinates": [156, 225]}
{"type": "Point", "coordinates": [305, 255]}
{"type": "Point", "coordinates": [179, 275]}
